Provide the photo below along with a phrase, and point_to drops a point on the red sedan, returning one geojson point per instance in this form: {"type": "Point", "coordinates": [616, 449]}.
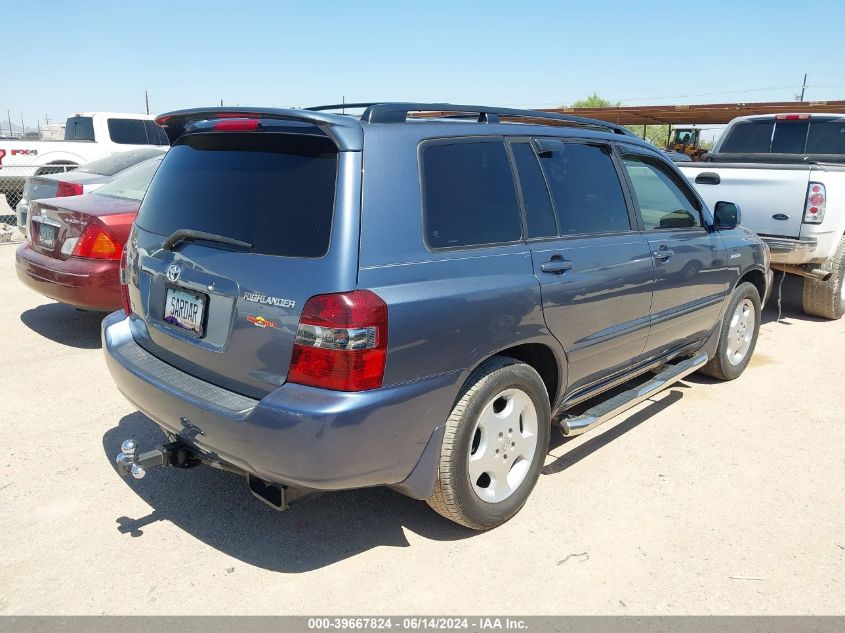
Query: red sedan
{"type": "Point", "coordinates": [74, 245]}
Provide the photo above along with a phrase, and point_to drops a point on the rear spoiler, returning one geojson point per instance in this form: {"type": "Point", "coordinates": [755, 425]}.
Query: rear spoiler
{"type": "Point", "coordinates": [345, 131]}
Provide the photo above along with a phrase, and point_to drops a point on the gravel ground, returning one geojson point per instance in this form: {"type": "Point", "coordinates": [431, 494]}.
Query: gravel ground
{"type": "Point", "coordinates": [722, 498]}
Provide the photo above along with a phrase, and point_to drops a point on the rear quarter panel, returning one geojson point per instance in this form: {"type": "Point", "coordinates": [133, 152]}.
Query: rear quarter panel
{"type": "Point", "coordinates": [449, 309]}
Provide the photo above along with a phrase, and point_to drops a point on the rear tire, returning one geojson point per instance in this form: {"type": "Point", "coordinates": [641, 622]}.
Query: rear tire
{"type": "Point", "coordinates": [737, 336]}
{"type": "Point", "coordinates": [495, 443]}
{"type": "Point", "coordinates": [826, 299]}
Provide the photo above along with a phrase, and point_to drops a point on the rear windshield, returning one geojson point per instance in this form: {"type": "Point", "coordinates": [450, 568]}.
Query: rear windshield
{"type": "Point", "coordinates": [274, 191]}
{"type": "Point", "coordinates": [133, 184]}
{"type": "Point", "coordinates": [79, 128]}
{"type": "Point", "coordinates": [787, 136]}
{"type": "Point", "coordinates": [118, 162]}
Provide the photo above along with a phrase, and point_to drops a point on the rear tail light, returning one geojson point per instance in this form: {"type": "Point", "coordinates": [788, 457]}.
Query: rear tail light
{"type": "Point", "coordinates": [124, 284]}
{"type": "Point", "coordinates": [341, 342]}
{"type": "Point", "coordinates": [816, 201]}
{"type": "Point", "coordinates": [68, 189]}
{"type": "Point", "coordinates": [96, 242]}
{"type": "Point", "coordinates": [792, 117]}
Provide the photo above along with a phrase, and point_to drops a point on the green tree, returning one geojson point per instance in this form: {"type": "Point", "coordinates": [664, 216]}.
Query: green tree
{"type": "Point", "coordinates": [594, 101]}
{"type": "Point", "coordinates": [655, 134]}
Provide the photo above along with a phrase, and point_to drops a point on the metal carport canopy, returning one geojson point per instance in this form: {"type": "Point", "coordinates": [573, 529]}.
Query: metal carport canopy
{"type": "Point", "coordinates": [713, 113]}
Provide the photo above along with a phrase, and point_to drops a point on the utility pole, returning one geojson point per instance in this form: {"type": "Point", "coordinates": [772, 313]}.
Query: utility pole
{"type": "Point", "coordinates": [343, 100]}
{"type": "Point", "coordinates": [22, 125]}
{"type": "Point", "coordinates": [9, 116]}
{"type": "Point", "coordinates": [147, 101]}
{"type": "Point", "coordinates": [221, 103]}
{"type": "Point", "coordinates": [803, 87]}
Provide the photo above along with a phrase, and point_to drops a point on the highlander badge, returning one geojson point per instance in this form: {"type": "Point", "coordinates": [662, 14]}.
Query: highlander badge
{"type": "Point", "coordinates": [257, 297]}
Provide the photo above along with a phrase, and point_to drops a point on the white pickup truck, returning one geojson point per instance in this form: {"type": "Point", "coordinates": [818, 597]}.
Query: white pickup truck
{"type": "Point", "coordinates": [787, 174]}
{"type": "Point", "coordinates": [88, 136]}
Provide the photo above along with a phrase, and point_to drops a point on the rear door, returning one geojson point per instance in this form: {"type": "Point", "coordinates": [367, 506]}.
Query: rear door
{"type": "Point", "coordinates": [226, 309]}
{"type": "Point", "coordinates": [691, 269]}
{"type": "Point", "coordinates": [594, 266]}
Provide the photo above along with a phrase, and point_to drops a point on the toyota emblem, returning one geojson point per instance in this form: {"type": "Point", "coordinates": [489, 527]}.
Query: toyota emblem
{"type": "Point", "coordinates": [173, 272]}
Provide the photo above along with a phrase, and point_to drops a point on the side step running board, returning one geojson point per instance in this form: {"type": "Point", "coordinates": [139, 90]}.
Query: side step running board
{"type": "Point", "coordinates": [608, 409]}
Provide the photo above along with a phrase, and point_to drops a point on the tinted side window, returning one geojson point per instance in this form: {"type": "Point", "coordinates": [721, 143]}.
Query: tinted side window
{"type": "Point", "coordinates": [662, 202]}
{"type": "Point", "coordinates": [586, 190]}
{"type": "Point", "coordinates": [127, 131]}
{"type": "Point", "coordinates": [469, 196]}
{"type": "Point", "coordinates": [826, 137]}
{"type": "Point", "coordinates": [539, 214]}
{"type": "Point", "coordinates": [79, 128]}
{"type": "Point", "coordinates": [749, 137]}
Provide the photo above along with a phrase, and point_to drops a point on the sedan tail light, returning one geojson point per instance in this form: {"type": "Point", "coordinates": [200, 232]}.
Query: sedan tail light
{"type": "Point", "coordinates": [341, 342]}
{"type": "Point", "coordinates": [96, 242]}
{"type": "Point", "coordinates": [68, 189]}
{"type": "Point", "coordinates": [815, 205]}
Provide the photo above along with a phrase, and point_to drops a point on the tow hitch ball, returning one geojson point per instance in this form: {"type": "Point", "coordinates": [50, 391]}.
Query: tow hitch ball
{"type": "Point", "coordinates": [129, 462]}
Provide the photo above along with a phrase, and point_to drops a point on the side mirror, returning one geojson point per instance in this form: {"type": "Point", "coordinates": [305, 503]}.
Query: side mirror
{"type": "Point", "coordinates": [727, 215]}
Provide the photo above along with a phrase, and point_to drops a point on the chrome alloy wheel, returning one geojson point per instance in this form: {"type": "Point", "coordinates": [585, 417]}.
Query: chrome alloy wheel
{"type": "Point", "coordinates": [504, 442]}
{"type": "Point", "coordinates": [741, 332]}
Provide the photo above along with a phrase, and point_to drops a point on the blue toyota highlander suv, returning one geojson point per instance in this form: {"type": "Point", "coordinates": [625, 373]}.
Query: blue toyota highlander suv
{"type": "Point", "coordinates": [414, 296]}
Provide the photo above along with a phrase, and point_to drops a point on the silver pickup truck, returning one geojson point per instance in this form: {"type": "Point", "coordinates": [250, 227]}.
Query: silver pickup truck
{"type": "Point", "coordinates": [787, 173]}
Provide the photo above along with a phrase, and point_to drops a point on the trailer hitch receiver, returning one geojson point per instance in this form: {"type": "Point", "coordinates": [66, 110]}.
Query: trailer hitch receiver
{"type": "Point", "coordinates": [129, 462]}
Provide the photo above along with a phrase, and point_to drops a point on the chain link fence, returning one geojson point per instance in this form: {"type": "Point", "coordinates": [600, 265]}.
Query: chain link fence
{"type": "Point", "coordinates": [12, 185]}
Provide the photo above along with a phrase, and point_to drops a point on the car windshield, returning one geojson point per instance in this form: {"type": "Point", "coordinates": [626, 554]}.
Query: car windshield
{"type": "Point", "coordinates": [115, 163]}
{"type": "Point", "coordinates": [133, 184]}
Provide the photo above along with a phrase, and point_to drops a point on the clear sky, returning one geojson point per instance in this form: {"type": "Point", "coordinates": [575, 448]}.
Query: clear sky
{"type": "Point", "coordinates": [65, 57]}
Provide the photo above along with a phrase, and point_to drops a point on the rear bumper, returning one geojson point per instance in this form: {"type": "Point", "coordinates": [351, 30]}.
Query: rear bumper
{"type": "Point", "coordinates": [297, 436]}
{"type": "Point", "coordinates": [787, 250]}
{"type": "Point", "coordinates": [89, 284]}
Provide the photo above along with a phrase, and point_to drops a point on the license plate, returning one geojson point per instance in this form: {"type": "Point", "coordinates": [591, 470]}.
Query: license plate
{"type": "Point", "coordinates": [47, 235]}
{"type": "Point", "coordinates": [184, 310]}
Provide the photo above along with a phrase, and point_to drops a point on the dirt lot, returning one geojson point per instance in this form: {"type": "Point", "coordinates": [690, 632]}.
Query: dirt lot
{"type": "Point", "coordinates": [711, 498]}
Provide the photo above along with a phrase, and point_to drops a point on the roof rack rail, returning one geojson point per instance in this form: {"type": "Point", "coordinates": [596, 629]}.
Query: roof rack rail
{"type": "Point", "coordinates": [387, 112]}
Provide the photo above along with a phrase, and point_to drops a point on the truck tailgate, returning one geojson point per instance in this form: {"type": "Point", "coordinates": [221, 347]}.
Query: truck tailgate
{"type": "Point", "coordinates": [771, 197]}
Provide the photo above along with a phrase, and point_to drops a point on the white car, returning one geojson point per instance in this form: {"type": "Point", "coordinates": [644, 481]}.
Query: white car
{"type": "Point", "coordinates": [80, 181]}
{"type": "Point", "coordinates": [787, 173]}
{"type": "Point", "coordinates": [88, 136]}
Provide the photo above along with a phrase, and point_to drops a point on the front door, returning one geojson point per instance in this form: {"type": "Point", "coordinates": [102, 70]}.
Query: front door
{"type": "Point", "coordinates": [595, 270]}
{"type": "Point", "coordinates": [691, 276]}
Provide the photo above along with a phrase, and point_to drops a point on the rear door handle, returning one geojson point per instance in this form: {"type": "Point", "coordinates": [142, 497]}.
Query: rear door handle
{"type": "Point", "coordinates": [663, 253]}
{"type": "Point", "coordinates": [556, 265]}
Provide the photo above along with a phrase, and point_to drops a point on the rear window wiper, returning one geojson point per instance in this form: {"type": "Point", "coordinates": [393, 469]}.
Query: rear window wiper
{"type": "Point", "coordinates": [190, 235]}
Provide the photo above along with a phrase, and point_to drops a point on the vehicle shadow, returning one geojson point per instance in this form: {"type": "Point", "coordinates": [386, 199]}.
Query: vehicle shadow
{"type": "Point", "coordinates": [65, 325]}
{"type": "Point", "coordinates": [790, 290]}
{"type": "Point", "coordinates": [590, 446]}
{"type": "Point", "coordinates": [217, 508]}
